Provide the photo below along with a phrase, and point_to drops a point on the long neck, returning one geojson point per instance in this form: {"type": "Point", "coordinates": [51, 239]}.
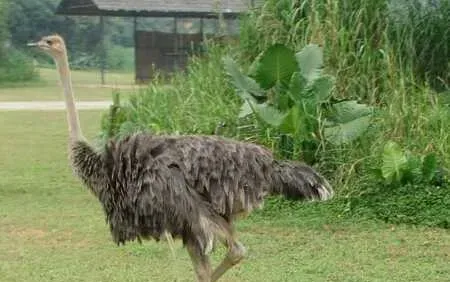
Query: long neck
{"type": "Point", "coordinates": [73, 121]}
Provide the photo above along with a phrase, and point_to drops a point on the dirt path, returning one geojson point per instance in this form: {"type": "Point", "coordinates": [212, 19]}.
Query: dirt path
{"type": "Point", "coordinates": [52, 105]}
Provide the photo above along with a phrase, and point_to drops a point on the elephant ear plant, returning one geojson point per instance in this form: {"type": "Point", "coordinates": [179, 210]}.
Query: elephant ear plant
{"type": "Point", "coordinates": [290, 97]}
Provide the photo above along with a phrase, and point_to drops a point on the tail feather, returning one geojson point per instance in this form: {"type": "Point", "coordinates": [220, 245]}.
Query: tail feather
{"type": "Point", "coordinates": [300, 182]}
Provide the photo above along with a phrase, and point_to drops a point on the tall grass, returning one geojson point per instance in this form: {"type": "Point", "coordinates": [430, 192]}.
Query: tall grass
{"type": "Point", "coordinates": [375, 58]}
{"type": "Point", "coordinates": [197, 101]}
{"type": "Point", "coordinates": [420, 32]}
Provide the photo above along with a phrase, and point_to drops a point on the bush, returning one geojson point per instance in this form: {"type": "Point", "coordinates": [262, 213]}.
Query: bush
{"type": "Point", "coordinates": [120, 58]}
{"type": "Point", "coordinates": [290, 97]}
{"type": "Point", "coordinates": [17, 67]}
{"type": "Point", "coordinates": [196, 101]}
{"type": "Point", "coordinates": [117, 58]}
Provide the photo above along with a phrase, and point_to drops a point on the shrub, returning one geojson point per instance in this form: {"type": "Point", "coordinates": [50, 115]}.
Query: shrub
{"type": "Point", "coordinates": [120, 58]}
{"type": "Point", "coordinates": [290, 96]}
{"type": "Point", "coordinates": [17, 67]}
{"type": "Point", "coordinates": [116, 58]}
{"type": "Point", "coordinates": [196, 101]}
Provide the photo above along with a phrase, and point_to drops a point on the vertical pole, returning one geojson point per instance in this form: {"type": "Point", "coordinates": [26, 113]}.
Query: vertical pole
{"type": "Point", "coordinates": [202, 32]}
{"type": "Point", "coordinates": [103, 50]}
{"type": "Point", "coordinates": [202, 27]}
{"type": "Point", "coordinates": [136, 71]}
{"type": "Point", "coordinates": [175, 31]}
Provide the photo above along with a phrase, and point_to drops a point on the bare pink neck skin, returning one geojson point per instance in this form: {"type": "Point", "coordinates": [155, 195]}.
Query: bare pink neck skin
{"type": "Point", "coordinates": [73, 121]}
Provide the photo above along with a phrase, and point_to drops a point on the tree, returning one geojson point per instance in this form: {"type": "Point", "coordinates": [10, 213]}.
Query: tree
{"type": "Point", "coordinates": [3, 26]}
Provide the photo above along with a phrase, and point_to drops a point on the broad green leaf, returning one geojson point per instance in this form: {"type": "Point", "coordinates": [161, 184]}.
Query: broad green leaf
{"type": "Point", "coordinates": [429, 167]}
{"type": "Point", "coordinates": [246, 86]}
{"type": "Point", "coordinates": [347, 111]}
{"type": "Point", "coordinates": [268, 114]}
{"type": "Point", "coordinates": [321, 88]}
{"type": "Point", "coordinates": [291, 122]}
{"type": "Point", "coordinates": [297, 87]}
{"type": "Point", "coordinates": [246, 109]}
{"type": "Point", "coordinates": [394, 162]}
{"type": "Point", "coordinates": [413, 170]}
{"type": "Point", "coordinates": [310, 60]}
{"type": "Point", "coordinates": [342, 133]}
{"type": "Point", "coordinates": [296, 124]}
{"type": "Point", "coordinates": [280, 98]}
{"type": "Point", "coordinates": [276, 64]}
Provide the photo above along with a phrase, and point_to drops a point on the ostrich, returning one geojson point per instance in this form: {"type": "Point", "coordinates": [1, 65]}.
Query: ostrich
{"type": "Point", "coordinates": [190, 187]}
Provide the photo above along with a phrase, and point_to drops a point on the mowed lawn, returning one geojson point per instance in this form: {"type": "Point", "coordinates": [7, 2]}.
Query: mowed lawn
{"type": "Point", "coordinates": [87, 86]}
{"type": "Point", "coordinates": [52, 229]}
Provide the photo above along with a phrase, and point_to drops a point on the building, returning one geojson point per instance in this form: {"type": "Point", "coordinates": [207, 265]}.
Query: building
{"type": "Point", "coordinates": [164, 51]}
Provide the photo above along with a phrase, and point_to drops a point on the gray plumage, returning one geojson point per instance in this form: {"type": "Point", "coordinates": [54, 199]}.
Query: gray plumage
{"type": "Point", "coordinates": [152, 184]}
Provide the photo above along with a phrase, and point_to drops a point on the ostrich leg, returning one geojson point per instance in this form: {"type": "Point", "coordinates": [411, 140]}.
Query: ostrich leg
{"type": "Point", "coordinates": [201, 263]}
{"type": "Point", "coordinates": [236, 252]}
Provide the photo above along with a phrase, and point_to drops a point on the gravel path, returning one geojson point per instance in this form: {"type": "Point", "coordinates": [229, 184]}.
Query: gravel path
{"type": "Point", "coordinates": [52, 106]}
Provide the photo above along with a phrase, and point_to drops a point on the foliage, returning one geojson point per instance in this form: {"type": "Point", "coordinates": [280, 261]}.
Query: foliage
{"type": "Point", "coordinates": [120, 58]}
{"type": "Point", "coordinates": [32, 19]}
{"type": "Point", "coordinates": [65, 237]}
{"type": "Point", "coordinates": [416, 204]}
{"type": "Point", "coordinates": [318, 109]}
{"type": "Point", "coordinates": [394, 163]}
{"type": "Point", "coordinates": [419, 29]}
{"type": "Point", "coordinates": [357, 36]}
{"type": "Point", "coordinates": [355, 53]}
{"type": "Point", "coordinates": [116, 116]}
{"type": "Point", "coordinates": [288, 93]}
{"type": "Point", "coordinates": [404, 167]}
{"type": "Point", "coordinates": [3, 27]}
{"type": "Point", "coordinates": [197, 101]}
{"type": "Point", "coordinates": [17, 67]}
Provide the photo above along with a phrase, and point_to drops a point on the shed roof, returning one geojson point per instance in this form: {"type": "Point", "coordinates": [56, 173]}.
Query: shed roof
{"type": "Point", "coordinates": [154, 8]}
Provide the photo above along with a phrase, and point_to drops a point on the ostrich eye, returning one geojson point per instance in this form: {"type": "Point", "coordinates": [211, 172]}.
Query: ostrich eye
{"type": "Point", "coordinates": [49, 42]}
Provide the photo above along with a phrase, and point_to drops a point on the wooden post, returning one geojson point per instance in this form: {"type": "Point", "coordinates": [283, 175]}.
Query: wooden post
{"type": "Point", "coordinates": [202, 28]}
{"type": "Point", "coordinates": [175, 32]}
{"type": "Point", "coordinates": [202, 47]}
{"type": "Point", "coordinates": [136, 71]}
{"type": "Point", "coordinates": [103, 50]}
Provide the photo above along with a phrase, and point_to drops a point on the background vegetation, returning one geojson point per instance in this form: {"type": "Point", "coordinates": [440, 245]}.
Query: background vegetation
{"type": "Point", "coordinates": [376, 56]}
{"type": "Point", "coordinates": [14, 65]}
{"type": "Point", "coordinates": [380, 82]}
{"type": "Point", "coordinates": [387, 57]}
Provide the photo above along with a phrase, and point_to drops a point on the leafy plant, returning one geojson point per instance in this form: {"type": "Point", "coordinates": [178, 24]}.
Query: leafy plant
{"type": "Point", "coordinates": [400, 167]}
{"type": "Point", "coordinates": [394, 162]}
{"type": "Point", "coordinates": [288, 92]}
{"type": "Point", "coordinates": [113, 120]}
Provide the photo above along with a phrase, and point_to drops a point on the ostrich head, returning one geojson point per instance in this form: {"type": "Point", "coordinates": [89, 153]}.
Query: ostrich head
{"type": "Point", "coordinates": [53, 45]}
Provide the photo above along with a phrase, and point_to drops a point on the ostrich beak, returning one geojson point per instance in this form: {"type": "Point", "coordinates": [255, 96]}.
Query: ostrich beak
{"type": "Point", "coordinates": [40, 44]}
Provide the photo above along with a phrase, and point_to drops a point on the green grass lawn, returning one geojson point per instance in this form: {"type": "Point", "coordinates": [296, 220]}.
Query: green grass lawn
{"type": "Point", "coordinates": [52, 229]}
{"type": "Point", "coordinates": [86, 85]}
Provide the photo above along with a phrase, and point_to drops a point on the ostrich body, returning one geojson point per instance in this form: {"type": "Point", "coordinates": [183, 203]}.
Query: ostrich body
{"type": "Point", "coordinates": [191, 187]}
